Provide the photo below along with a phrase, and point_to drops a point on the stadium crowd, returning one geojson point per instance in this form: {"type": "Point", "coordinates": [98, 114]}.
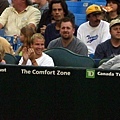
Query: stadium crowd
{"type": "Point", "coordinates": [38, 25]}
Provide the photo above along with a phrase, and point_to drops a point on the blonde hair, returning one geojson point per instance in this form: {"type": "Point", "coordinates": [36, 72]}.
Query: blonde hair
{"type": "Point", "coordinates": [2, 52]}
{"type": "Point", "coordinates": [36, 35]}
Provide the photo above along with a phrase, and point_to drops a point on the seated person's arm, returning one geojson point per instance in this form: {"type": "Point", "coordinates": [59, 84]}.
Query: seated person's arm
{"type": "Point", "coordinates": [1, 26]}
{"type": "Point", "coordinates": [42, 29]}
{"type": "Point", "coordinates": [108, 64]}
{"type": "Point", "coordinates": [33, 26]}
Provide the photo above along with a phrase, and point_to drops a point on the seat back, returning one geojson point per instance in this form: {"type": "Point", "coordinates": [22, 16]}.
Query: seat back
{"type": "Point", "coordinates": [1, 32]}
{"type": "Point", "coordinates": [15, 43]}
{"type": "Point", "coordinates": [10, 39]}
{"type": "Point", "coordinates": [65, 57]}
{"type": "Point", "coordinates": [78, 6]}
{"type": "Point", "coordinates": [10, 59]}
{"type": "Point", "coordinates": [93, 1]}
{"type": "Point", "coordinates": [100, 3]}
{"type": "Point", "coordinates": [18, 58]}
{"type": "Point", "coordinates": [103, 60]}
{"type": "Point", "coordinates": [80, 18]}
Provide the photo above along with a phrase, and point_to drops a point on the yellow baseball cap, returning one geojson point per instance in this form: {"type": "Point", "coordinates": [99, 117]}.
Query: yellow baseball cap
{"type": "Point", "coordinates": [115, 21]}
{"type": "Point", "coordinates": [93, 8]}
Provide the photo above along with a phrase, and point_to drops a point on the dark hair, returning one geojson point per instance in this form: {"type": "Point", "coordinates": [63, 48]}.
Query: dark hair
{"type": "Point", "coordinates": [28, 2]}
{"type": "Point", "coordinates": [67, 19]}
{"type": "Point", "coordinates": [63, 4]}
{"type": "Point", "coordinates": [117, 2]}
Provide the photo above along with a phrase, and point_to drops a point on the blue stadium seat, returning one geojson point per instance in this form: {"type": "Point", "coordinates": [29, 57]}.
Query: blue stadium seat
{"type": "Point", "coordinates": [78, 6]}
{"type": "Point", "coordinates": [80, 18]}
{"type": "Point", "coordinates": [100, 3]}
{"type": "Point", "coordinates": [9, 39]}
{"type": "Point", "coordinates": [18, 44]}
{"type": "Point", "coordinates": [14, 44]}
{"type": "Point", "coordinates": [1, 32]}
{"type": "Point", "coordinates": [93, 1]}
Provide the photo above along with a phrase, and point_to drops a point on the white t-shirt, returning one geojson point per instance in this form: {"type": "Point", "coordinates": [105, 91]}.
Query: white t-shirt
{"type": "Point", "coordinates": [44, 60]}
{"type": "Point", "coordinates": [10, 1]}
{"type": "Point", "coordinates": [92, 36]}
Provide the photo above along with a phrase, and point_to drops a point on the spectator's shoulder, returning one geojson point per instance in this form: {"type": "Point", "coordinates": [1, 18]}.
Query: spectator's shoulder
{"type": "Point", "coordinates": [51, 25]}
{"type": "Point", "coordinates": [103, 46]}
{"type": "Point", "coordinates": [32, 8]}
{"type": "Point", "coordinates": [105, 22]}
{"type": "Point", "coordinates": [105, 43]}
{"type": "Point", "coordinates": [55, 40]}
{"type": "Point", "coordinates": [10, 8]}
{"type": "Point", "coordinates": [79, 42]}
{"type": "Point", "coordinates": [83, 25]}
{"type": "Point", "coordinates": [117, 57]}
{"type": "Point", "coordinates": [53, 43]}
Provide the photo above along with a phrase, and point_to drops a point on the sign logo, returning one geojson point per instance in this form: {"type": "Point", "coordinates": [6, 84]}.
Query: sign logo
{"type": "Point", "coordinates": [90, 73]}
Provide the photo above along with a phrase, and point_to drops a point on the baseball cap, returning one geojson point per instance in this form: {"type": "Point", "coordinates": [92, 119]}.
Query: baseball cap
{"type": "Point", "coordinates": [93, 8]}
{"type": "Point", "coordinates": [113, 22]}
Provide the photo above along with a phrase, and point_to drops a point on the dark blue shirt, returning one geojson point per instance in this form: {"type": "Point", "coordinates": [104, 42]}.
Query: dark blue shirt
{"type": "Point", "coordinates": [106, 50]}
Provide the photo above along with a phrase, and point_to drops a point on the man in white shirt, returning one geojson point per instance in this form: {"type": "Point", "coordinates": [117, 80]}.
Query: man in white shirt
{"type": "Point", "coordinates": [95, 30]}
{"type": "Point", "coordinates": [33, 54]}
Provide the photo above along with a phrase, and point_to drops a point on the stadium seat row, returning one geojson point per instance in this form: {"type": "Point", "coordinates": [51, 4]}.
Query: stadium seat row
{"type": "Point", "coordinates": [78, 8]}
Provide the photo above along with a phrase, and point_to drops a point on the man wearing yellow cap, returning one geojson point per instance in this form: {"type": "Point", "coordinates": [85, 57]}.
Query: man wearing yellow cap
{"type": "Point", "coordinates": [95, 30]}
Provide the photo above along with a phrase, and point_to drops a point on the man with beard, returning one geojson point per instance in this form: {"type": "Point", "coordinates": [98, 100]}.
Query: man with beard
{"type": "Point", "coordinates": [95, 30]}
{"type": "Point", "coordinates": [58, 9]}
{"type": "Point", "coordinates": [111, 47]}
{"type": "Point", "coordinates": [67, 39]}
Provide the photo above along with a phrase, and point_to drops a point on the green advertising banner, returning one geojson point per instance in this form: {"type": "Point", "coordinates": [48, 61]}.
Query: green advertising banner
{"type": "Point", "coordinates": [58, 93]}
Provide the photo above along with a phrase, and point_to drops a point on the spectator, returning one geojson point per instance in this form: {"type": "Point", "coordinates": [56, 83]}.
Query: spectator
{"type": "Point", "coordinates": [114, 10]}
{"type": "Point", "coordinates": [6, 45]}
{"type": "Point", "coordinates": [111, 47]}
{"type": "Point", "coordinates": [2, 54]}
{"type": "Point", "coordinates": [20, 14]}
{"type": "Point", "coordinates": [25, 36]}
{"type": "Point", "coordinates": [59, 10]}
{"type": "Point", "coordinates": [34, 55]}
{"type": "Point", "coordinates": [67, 39]}
{"type": "Point", "coordinates": [95, 30]}
{"type": "Point", "coordinates": [113, 63]}
{"type": "Point", "coordinates": [3, 5]}
{"type": "Point", "coordinates": [41, 5]}
{"type": "Point", "coordinates": [47, 17]}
